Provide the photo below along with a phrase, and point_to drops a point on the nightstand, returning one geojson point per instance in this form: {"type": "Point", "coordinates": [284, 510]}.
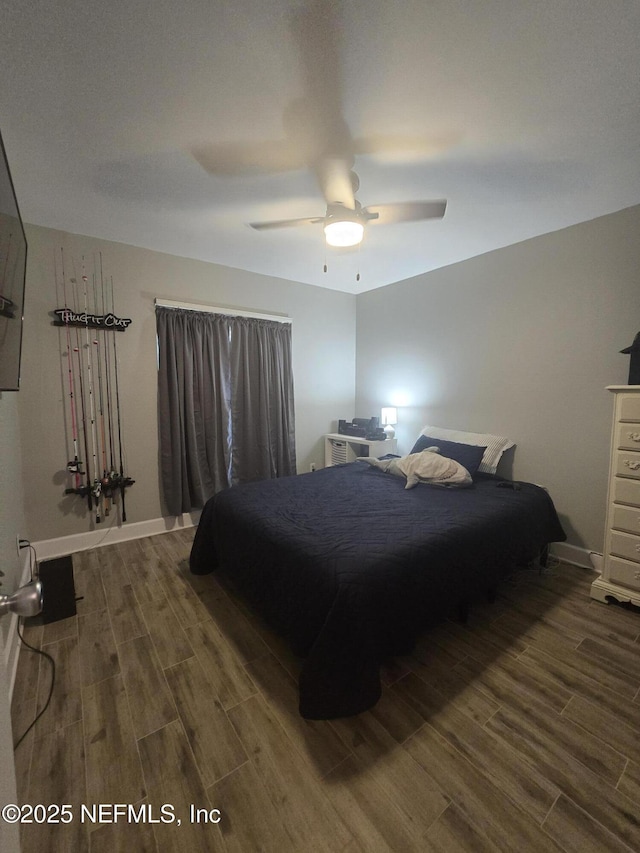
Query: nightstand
{"type": "Point", "coordinates": [346, 448]}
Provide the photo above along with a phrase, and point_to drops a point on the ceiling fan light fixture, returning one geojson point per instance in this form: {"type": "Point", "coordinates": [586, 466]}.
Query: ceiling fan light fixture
{"type": "Point", "coordinates": [343, 232]}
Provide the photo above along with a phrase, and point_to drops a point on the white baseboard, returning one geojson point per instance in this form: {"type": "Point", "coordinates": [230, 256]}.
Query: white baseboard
{"type": "Point", "coordinates": [48, 549]}
{"type": "Point", "coordinates": [572, 554]}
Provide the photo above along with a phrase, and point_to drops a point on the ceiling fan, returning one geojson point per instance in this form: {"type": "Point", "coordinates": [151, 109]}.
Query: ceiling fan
{"type": "Point", "coordinates": [345, 218]}
{"type": "Point", "coordinates": [317, 137]}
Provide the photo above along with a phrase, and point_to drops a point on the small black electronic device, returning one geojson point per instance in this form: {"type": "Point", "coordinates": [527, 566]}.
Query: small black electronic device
{"type": "Point", "coordinates": [58, 588]}
{"type": "Point", "coordinates": [367, 428]}
{"type": "Point", "coordinates": [509, 484]}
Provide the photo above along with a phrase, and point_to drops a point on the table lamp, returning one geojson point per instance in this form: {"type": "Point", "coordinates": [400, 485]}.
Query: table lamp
{"type": "Point", "coordinates": [389, 420]}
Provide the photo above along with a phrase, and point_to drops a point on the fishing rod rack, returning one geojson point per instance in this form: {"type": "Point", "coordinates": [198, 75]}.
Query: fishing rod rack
{"type": "Point", "coordinates": [89, 351]}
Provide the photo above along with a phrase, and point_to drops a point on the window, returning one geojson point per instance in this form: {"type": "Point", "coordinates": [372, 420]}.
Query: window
{"type": "Point", "coordinates": [225, 398]}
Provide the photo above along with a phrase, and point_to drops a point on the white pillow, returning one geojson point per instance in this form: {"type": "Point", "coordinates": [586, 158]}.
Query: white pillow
{"type": "Point", "coordinates": [495, 444]}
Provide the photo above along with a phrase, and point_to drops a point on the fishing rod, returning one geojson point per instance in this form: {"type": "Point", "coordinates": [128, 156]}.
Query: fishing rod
{"type": "Point", "coordinates": [107, 353]}
{"type": "Point", "coordinates": [98, 381]}
{"type": "Point", "coordinates": [97, 480]}
{"type": "Point", "coordinates": [74, 466]}
{"type": "Point", "coordinates": [123, 481]}
{"type": "Point", "coordinates": [84, 491]}
{"type": "Point", "coordinates": [105, 482]}
{"type": "Point", "coordinates": [114, 477]}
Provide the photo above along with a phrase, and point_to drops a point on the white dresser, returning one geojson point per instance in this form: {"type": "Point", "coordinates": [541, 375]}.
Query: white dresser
{"type": "Point", "coordinates": [620, 578]}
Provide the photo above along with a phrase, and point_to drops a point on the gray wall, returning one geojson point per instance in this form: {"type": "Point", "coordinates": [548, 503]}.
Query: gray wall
{"type": "Point", "coordinates": [520, 342]}
{"type": "Point", "coordinates": [12, 520]}
{"type": "Point", "coordinates": [323, 359]}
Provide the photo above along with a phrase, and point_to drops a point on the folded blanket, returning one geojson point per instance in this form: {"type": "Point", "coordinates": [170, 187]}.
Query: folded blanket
{"type": "Point", "coordinates": [424, 467]}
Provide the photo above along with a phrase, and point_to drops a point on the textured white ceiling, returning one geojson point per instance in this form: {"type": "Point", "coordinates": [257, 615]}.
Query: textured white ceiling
{"type": "Point", "coordinates": [524, 115]}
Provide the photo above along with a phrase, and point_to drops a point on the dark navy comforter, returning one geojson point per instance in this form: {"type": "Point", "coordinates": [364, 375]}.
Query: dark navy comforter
{"type": "Point", "coordinates": [351, 567]}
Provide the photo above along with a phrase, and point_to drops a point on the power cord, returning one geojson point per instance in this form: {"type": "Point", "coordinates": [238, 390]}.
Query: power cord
{"type": "Point", "coordinates": [107, 531]}
{"type": "Point", "coordinates": [53, 679]}
{"type": "Point", "coordinates": [33, 573]}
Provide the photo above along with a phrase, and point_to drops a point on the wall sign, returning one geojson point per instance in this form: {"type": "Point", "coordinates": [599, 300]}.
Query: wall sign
{"type": "Point", "coordinates": [67, 317]}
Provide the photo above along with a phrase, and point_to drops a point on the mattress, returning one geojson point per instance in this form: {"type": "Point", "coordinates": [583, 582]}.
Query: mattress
{"type": "Point", "coordinates": [350, 567]}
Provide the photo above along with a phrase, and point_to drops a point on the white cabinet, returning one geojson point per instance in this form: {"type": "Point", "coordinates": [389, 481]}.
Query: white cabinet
{"type": "Point", "coordinates": [346, 448]}
{"type": "Point", "coordinates": [620, 578]}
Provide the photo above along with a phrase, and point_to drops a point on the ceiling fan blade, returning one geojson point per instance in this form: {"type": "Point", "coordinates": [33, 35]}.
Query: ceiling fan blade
{"type": "Point", "coordinates": [319, 117]}
{"type": "Point", "coordinates": [285, 223]}
{"type": "Point", "coordinates": [390, 148]}
{"type": "Point", "coordinates": [317, 30]}
{"type": "Point", "coordinates": [239, 158]}
{"type": "Point", "coordinates": [336, 181]}
{"type": "Point", "coordinates": [405, 211]}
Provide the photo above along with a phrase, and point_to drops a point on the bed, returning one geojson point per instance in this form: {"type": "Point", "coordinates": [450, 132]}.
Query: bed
{"type": "Point", "coordinates": [351, 567]}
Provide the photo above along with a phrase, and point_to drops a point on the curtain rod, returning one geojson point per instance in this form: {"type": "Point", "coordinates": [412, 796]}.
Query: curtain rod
{"type": "Point", "coordinates": [214, 309]}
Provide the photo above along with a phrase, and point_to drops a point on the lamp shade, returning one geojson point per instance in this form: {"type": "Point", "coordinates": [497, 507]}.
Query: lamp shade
{"type": "Point", "coordinates": [343, 232]}
{"type": "Point", "coordinates": [389, 416]}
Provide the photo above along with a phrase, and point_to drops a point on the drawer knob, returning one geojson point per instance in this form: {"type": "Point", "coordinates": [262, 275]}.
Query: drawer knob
{"type": "Point", "coordinates": [632, 464]}
{"type": "Point", "coordinates": [634, 436]}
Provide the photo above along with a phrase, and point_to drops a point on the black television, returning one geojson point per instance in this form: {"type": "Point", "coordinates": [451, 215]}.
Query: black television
{"type": "Point", "coordinates": [13, 267]}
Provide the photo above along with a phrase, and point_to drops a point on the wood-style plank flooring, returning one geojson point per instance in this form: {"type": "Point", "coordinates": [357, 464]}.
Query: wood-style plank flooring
{"type": "Point", "coordinates": [519, 731]}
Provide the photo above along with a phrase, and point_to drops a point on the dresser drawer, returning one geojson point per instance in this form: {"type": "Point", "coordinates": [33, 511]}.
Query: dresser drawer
{"type": "Point", "coordinates": [624, 572]}
{"type": "Point", "coordinates": [628, 436]}
{"type": "Point", "coordinates": [624, 491]}
{"type": "Point", "coordinates": [626, 518]}
{"type": "Point", "coordinates": [626, 463]}
{"type": "Point", "coordinates": [625, 545]}
{"type": "Point", "coordinates": [629, 407]}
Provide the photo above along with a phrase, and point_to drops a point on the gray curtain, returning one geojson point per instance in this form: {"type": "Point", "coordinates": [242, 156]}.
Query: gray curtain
{"type": "Point", "coordinates": [225, 403]}
{"type": "Point", "coordinates": [262, 418]}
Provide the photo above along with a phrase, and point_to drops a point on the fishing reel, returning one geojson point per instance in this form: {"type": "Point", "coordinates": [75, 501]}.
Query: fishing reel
{"type": "Point", "coordinates": [73, 467]}
{"type": "Point", "coordinates": [83, 491]}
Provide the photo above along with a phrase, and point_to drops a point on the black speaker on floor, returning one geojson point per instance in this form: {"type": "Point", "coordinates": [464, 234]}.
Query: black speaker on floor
{"type": "Point", "coordinates": [58, 589]}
